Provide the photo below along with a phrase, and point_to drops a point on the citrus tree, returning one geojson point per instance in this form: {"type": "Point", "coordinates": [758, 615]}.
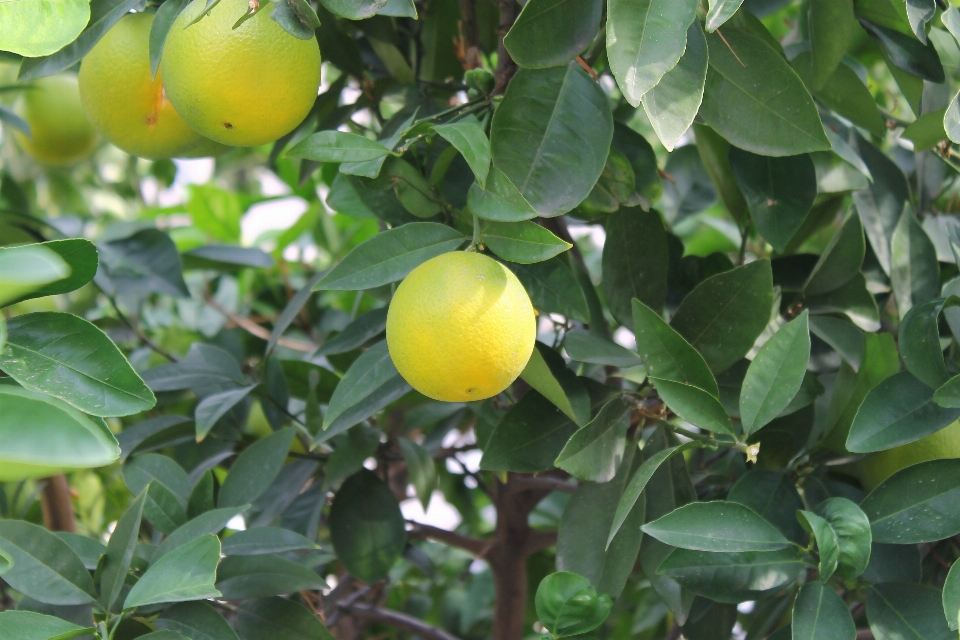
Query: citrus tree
{"type": "Point", "coordinates": [633, 319]}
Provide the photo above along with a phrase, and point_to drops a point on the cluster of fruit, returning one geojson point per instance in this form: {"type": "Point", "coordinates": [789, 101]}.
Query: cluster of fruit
{"type": "Point", "coordinates": [220, 83]}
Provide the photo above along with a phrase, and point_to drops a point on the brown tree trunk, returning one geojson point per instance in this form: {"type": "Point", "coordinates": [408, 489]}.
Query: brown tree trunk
{"type": "Point", "coordinates": [57, 506]}
{"type": "Point", "coordinates": [506, 67]}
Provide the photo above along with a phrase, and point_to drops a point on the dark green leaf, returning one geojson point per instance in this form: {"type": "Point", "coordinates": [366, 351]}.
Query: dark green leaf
{"type": "Point", "coordinates": [907, 53]}
{"type": "Point", "coordinates": [389, 256]}
{"type": "Point", "coordinates": [213, 407]}
{"type": "Point", "coordinates": [645, 39]}
{"type": "Point", "coordinates": [184, 574]}
{"type": "Point", "coordinates": [917, 504]}
{"type": "Point", "coordinates": [548, 373]}
{"type": "Point", "coordinates": [212, 521]}
{"type": "Point", "coordinates": [264, 540]}
{"type": "Point", "coordinates": [919, 338]}
{"type": "Point", "coordinates": [673, 103]}
{"type": "Point", "coordinates": [262, 576]}
{"type": "Point", "coordinates": [951, 597]}
{"type": "Point", "coordinates": [881, 205]}
{"type": "Point", "coordinates": [594, 453]}
{"type": "Point", "coordinates": [422, 470]}
{"type": "Point", "coordinates": [524, 242]}
{"type": "Point", "coordinates": [909, 611]}
{"type": "Point", "coordinates": [120, 550]}
{"type": "Point", "coordinates": [914, 271]}
{"type": "Point", "coordinates": [832, 26]}
{"type": "Point", "coordinates": [853, 535]}
{"type": "Point", "coordinates": [725, 314]}
{"type": "Point", "coordinates": [357, 333]}
{"type": "Point", "coordinates": [80, 256]}
{"type": "Point", "coordinates": [279, 619]}
{"type": "Point", "coordinates": [204, 366]}
{"type": "Point", "coordinates": [635, 260]}
{"type": "Point", "coordinates": [775, 375]}
{"type": "Point", "coordinates": [819, 613]}
{"type": "Point", "coordinates": [828, 546]}
{"type": "Point", "coordinates": [371, 383]}
{"type": "Point", "coordinates": [893, 563]}
{"type": "Point", "coordinates": [143, 263]}
{"type": "Point", "coordinates": [586, 346]}
{"type": "Point", "coordinates": [568, 605]}
{"type": "Point", "coordinates": [841, 260]}
{"type": "Point", "coordinates": [720, 12]}
{"type": "Point", "coordinates": [899, 410]}
{"type": "Point", "coordinates": [27, 625]}
{"type": "Point", "coordinates": [666, 354]}
{"type": "Point", "coordinates": [853, 300]}
{"type": "Point", "coordinates": [167, 13]}
{"type": "Point", "coordinates": [43, 566]}
{"type": "Point", "coordinates": [255, 469]}
{"type": "Point", "coordinates": [196, 621]}
{"type": "Point", "coordinates": [694, 405]}
{"type": "Point", "coordinates": [354, 9]}
{"type": "Point", "coordinates": [499, 199]}
{"type": "Point", "coordinates": [297, 18]}
{"type": "Point", "coordinates": [779, 192]}
{"type": "Point", "coordinates": [549, 120]}
{"type": "Point", "coordinates": [716, 526]}
{"type": "Point", "coordinates": [553, 288]}
{"type": "Point", "coordinates": [753, 99]}
{"type": "Point", "coordinates": [844, 336]}
{"type": "Point", "coordinates": [774, 496]}
{"type": "Point", "coordinates": [366, 527]}
{"type": "Point", "coordinates": [338, 146]}
{"type": "Point", "coordinates": [548, 33]}
{"type": "Point", "coordinates": [529, 437]}
{"type": "Point", "coordinates": [72, 359]}
{"type": "Point", "coordinates": [732, 577]}
{"type": "Point", "coordinates": [469, 138]}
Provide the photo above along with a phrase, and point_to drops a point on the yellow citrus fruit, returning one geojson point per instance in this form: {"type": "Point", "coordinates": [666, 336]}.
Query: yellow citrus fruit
{"type": "Point", "coordinates": [877, 467]}
{"type": "Point", "coordinates": [460, 327]}
{"type": "Point", "coordinates": [121, 100]}
{"type": "Point", "coordinates": [245, 86]}
{"type": "Point", "coordinates": [59, 131]}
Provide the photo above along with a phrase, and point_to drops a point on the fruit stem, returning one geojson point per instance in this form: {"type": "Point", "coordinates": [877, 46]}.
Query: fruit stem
{"type": "Point", "coordinates": [475, 243]}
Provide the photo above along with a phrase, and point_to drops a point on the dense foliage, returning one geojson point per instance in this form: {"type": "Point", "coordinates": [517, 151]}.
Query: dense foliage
{"type": "Point", "coordinates": [735, 220]}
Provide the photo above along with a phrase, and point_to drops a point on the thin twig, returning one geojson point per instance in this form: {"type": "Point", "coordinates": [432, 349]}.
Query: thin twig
{"type": "Point", "coordinates": [476, 546]}
{"type": "Point", "coordinates": [398, 620]}
{"type": "Point", "coordinates": [140, 334]}
{"type": "Point", "coordinates": [588, 68]}
{"type": "Point", "coordinates": [731, 49]}
{"type": "Point", "coordinates": [253, 328]}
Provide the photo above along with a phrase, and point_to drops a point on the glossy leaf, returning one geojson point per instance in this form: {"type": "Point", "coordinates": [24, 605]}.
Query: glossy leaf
{"type": "Point", "coordinates": [79, 255]}
{"type": "Point", "coordinates": [338, 146]}
{"type": "Point", "coordinates": [262, 576]}
{"type": "Point", "coordinates": [779, 192]}
{"type": "Point", "coordinates": [469, 138]}
{"type": "Point", "coordinates": [524, 242]}
{"type": "Point", "coordinates": [774, 496]}
{"type": "Point", "coordinates": [645, 39]}
{"type": "Point", "coordinates": [594, 452]}
{"type": "Point", "coordinates": [529, 437]}
{"type": "Point", "coordinates": [775, 375]}
{"type": "Point", "coordinates": [832, 27]}
{"type": "Point", "coordinates": [40, 27]}
{"type": "Point", "coordinates": [548, 33]}
{"type": "Point", "coordinates": [390, 256]}
{"type": "Point", "coordinates": [140, 264]}
{"type": "Point", "coordinates": [907, 53]}
{"type": "Point", "coordinates": [166, 15]}
{"type": "Point", "coordinates": [205, 365]}
{"type": "Point", "coordinates": [732, 577]}
{"type": "Point", "coordinates": [902, 610]}
{"type": "Point", "coordinates": [568, 605]}
{"type": "Point", "coordinates": [841, 259]}
{"type": "Point", "coordinates": [366, 527]}
{"type": "Point", "coordinates": [553, 288]}
{"type": "Point", "coordinates": [27, 268]}
{"type": "Point", "coordinates": [422, 470]}
{"type": "Point", "coordinates": [357, 333]}
{"type": "Point", "coordinates": [586, 346]}
{"type": "Point", "coordinates": [853, 534]}
{"type": "Point", "coordinates": [213, 407]}
{"type": "Point", "coordinates": [828, 546]}
{"type": "Point", "coordinates": [716, 526]}
{"type": "Point", "coordinates": [371, 383]}
{"type": "Point", "coordinates": [723, 316]}
{"type": "Point", "coordinates": [819, 613]}
{"type": "Point", "coordinates": [279, 619]}
{"type": "Point", "coordinates": [634, 263]}
{"type": "Point", "coordinates": [255, 469]}
{"type": "Point", "coordinates": [916, 504]}
{"type": "Point", "coordinates": [28, 625]}
{"type": "Point", "coordinates": [881, 205]}
{"type": "Point", "coordinates": [694, 405]}
{"type": "Point", "coordinates": [753, 99]}
{"type": "Point", "coordinates": [914, 271]}
{"type": "Point", "coordinates": [196, 620]}
{"type": "Point", "coordinates": [43, 566]}
{"type": "Point", "coordinates": [899, 410]}
{"type": "Point", "coordinates": [184, 574]}
{"type": "Point", "coordinates": [673, 103]}
{"type": "Point", "coordinates": [920, 341]}
{"type": "Point", "coordinates": [59, 437]}
{"type": "Point", "coordinates": [548, 374]}
{"type": "Point", "coordinates": [120, 552]}
{"type": "Point", "coordinates": [665, 353]}
{"type": "Point", "coordinates": [72, 359]}
{"type": "Point", "coordinates": [265, 540]}
{"type": "Point", "coordinates": [721, 11]}
{"type": "Point", "coordinates": [499, 199]}
{"type": "Point", "coordinates": [951, 597]}
{"type": "Point", "coordinates": [549, 120]}
{"type": "Point", "coordinates": [354, 9]}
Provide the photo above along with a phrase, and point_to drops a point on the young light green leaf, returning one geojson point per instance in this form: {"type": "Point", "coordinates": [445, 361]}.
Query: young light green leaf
{"type": "Point", "coordinates": [389, 256]}
{"type": "Point", "coordinates": [716, 526]}
{"type": "Point", "coordinates": [34, 28]}
{"type": "Point", "coordinates": [775, 375]}
{"type": "Point", "coordinates": [469, 138]}
{"type": "Point", "coordinates": [60, 438]}
{"type": "Point", "coordinates": [524, 242]}
{"type": "Point", "coordinates": [568, 605]}
{"type": "Point", "coordinates": [24, 269]}
{"type": "Point", "coordinates": [645, 39]}
{"type": "Point", "coordinates": [187, 573]}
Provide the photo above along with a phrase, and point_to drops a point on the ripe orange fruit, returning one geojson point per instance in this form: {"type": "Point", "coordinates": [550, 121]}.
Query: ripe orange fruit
{"type": "Point", "coordinates": [59, 131]}
{"type": "Point", "coordinates": [460, 327]}
{"type": "Point", "coordinates": [121, 100]}
{"type": "Point", "coordinates": [245, 86]}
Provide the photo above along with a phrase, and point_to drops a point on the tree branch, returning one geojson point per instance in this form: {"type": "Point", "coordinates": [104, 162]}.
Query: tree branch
{"type": "Point", "coordinates": [506, 67]}
{"type": "Point", "coordinates": [476, 546]}
{"type": "Point", "coordinates": [538, 541]}
{"type": "Point", "coordinates": [253, 328]}
{"type": "Point", "coordinates": [57, 508]}
{"type": "Point", "coordinates": [469, 45]}
{"type": "Point", "coordinates": [398, 620]}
